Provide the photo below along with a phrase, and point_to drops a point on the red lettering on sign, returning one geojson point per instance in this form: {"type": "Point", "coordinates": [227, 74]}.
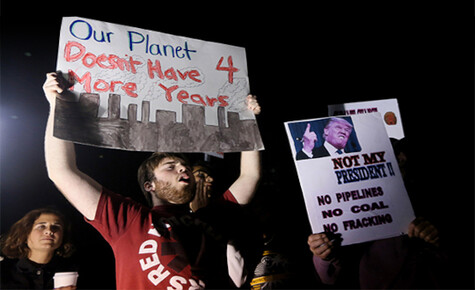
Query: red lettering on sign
{"type": "Point", "coordinates": [222, 101]}
{"type": "Point", "coordinates": [73, 57]}
{"type": "Point", "coordinates": [168, 91]}
{"type": "Point", "coordinates": [182, 95]}
{"type": "Point", "coordinates": [230, 68]}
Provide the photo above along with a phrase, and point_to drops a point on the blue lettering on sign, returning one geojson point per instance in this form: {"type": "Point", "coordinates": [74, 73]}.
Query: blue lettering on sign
{"type": "Point", "coordinates": [137, 39]}
{"type": "Point", "coordinates": [73, 33]}
{"type": "Point", "coordinates": [83, 30]}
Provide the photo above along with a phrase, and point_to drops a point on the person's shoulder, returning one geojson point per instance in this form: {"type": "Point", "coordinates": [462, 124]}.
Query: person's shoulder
{"type": "Point", "coordinates": [5, 260]}
{"type": "Point", "coordinates": [118, 198]}
{"type": "Point", "coordinates": [320, 152]}
{"type": "Point", "coordinates": [301, 155]}
{"type": "Point", "coordinates": [8, 267]}
{"type": "Point", "coordinates": [6, 264]}
{"type": "Point", "coordinates": [61, 264]}
{"type": "Point", "coordinates": [113, 208]}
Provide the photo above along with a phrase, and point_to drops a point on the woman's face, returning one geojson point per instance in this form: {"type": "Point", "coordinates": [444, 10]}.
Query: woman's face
{"type": "Point", "coordinates": [46, 234]}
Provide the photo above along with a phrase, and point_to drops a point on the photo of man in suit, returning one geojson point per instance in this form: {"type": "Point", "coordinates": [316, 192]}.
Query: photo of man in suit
{"type": "Point", "coordinates": [336, 133]}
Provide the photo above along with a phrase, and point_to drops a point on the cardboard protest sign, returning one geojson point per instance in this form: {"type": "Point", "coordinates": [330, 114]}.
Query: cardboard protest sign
{"type": "Point", "coordinates": [389, 109]}
{"type": "Point", "coordinates": [143, 90]}
{"type": "Point", "coordinates": [350, 177]}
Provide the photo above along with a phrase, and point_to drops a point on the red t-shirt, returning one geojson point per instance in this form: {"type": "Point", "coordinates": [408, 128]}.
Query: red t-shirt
{"type": "Point", "coordinates": [165, 246]}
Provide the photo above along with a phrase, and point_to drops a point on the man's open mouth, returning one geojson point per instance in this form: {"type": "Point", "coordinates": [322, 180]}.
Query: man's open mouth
{"type": "Point", "coordinates": [184, 178]}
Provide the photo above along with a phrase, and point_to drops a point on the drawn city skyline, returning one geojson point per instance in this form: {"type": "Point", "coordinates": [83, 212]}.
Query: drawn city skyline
{"type": "Point", "coordinates": [165, 134]}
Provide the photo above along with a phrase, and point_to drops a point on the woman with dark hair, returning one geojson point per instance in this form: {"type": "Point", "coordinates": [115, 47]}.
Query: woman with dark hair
{"type": "Point", "coordinates": [34, 250]}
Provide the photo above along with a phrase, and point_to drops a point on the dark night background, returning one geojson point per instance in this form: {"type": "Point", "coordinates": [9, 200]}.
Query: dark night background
{"type": "Point", "coordinates": [300, 59]}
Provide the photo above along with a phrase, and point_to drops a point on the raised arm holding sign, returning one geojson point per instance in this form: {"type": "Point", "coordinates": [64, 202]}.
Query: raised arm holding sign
{"type": "Point", "coordinates": [156, 246]}
{"type": "Point", "coordinates": [168, 181]}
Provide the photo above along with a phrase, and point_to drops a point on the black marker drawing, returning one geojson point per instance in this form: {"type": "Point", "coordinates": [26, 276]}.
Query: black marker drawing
{"type": "Point", "coordinates": [191, 135]}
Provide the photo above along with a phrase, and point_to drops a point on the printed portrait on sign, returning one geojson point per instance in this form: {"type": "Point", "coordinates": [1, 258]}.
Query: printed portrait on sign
{"type": "Point", "coordinates": [323, 138]}
{"type": "Point", "coordinates": [390, 118]}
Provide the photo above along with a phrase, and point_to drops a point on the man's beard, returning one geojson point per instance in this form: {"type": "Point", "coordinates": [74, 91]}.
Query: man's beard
{"type": "Point", "coordinates": [166, 192]}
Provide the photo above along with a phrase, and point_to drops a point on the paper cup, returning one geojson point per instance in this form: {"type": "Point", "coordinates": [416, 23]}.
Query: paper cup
{"type": "Point", "coordinates": [63, 279]}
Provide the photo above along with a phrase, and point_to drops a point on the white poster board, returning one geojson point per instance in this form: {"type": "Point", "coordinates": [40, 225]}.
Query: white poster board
{"type": "Point", "coordinates": [388, 108]}
{"type": "Point", "coordinates": [359, 193]}
{"type": "Point", "coordinates": [143, 90]}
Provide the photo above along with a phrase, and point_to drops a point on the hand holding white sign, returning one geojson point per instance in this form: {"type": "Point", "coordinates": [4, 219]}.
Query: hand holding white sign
{"type": "Point", "coordinates": [358, 192]}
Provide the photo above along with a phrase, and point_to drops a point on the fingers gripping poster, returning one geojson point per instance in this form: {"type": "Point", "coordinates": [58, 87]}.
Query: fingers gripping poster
{"type": "Point", "coordinates": [142, 90]}
{"type": "Point", "coordinates": [350, 177]}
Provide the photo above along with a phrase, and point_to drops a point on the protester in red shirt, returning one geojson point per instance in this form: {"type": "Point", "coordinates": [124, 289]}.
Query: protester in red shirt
{"type": "Point", "coordinates": [163, 246]}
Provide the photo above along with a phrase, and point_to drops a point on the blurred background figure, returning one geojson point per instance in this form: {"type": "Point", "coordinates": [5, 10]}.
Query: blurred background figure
{"type": "Point", "coordinates": [204, 185]}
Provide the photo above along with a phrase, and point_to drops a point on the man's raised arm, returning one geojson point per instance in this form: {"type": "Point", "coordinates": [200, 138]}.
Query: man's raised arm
{"type": "Point", "coordinates": [245, 186]}
{"type": "Point", "coordinates": [82, 191]}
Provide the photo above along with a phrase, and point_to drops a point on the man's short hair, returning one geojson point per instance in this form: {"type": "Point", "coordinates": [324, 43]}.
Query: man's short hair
{"type": "Point", "coordinates": [336, 120]}
{"type": "Point", "coordinates": [145, 172]}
